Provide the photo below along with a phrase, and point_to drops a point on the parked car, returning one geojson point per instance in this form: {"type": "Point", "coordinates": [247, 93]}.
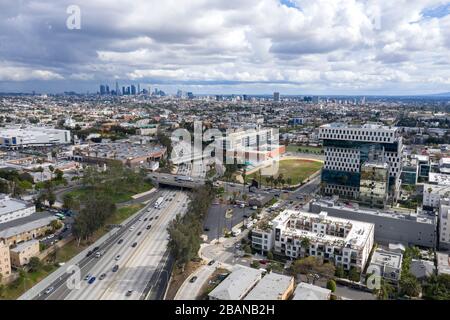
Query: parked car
{"type": "Point", "coordinates": [129, 293]}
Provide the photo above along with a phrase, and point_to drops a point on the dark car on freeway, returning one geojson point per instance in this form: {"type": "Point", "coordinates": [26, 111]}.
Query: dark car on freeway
{"type": "Point", "coordinates": [193, 279]}
{"type": "Point", "coordinates": [115, 268]}
{"type": "Point", "coordinates": [134, 244]}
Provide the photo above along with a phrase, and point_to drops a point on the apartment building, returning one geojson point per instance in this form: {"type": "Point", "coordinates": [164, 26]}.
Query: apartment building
{"type": "Point", "coordinates": [444, 224]}
{"type": "Point", "coordinates": [433, 193]}
{"type": "Point", "coordinates": [5, 263]}
{"type": "Point", "coordinates": [22, 253]}
{"type": "Point", "coordinates": [12, 209]}
{"type": "Point", "coordinates": [388, 263]}
{"type": "Point", "coordinates": [26, 229]}
{"type": "Point", "coordinates": [344, 242]}
{"type": "Point", "coordinates": [272, 286]}
{"type": "Point", "coordinates": [348, 147]}
{"type": "Point", "coordinates": [237, 285]}
{"type": "Point", "coordinates": [251, 146]}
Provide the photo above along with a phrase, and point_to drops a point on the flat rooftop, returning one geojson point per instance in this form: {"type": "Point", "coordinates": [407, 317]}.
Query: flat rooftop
{"type": "Point", "coordinates": [439, 178]}
{"type": "Point", "coordinates": [387, 258]}
{"type": "Point", "coordinates": [31, 222]}
{"type": "Point", "coordinates": [306, 291]}
{"type": "Point", "coordinates": [9, 205]}
{"type": "Point", "coordinates": [355, 208]}
{"type": "Point", "coordinates": [371, 126]}
{"type": "Point", "coordinates": [356, 237]}
{"type": "Point", "coordinates": [271, 287]}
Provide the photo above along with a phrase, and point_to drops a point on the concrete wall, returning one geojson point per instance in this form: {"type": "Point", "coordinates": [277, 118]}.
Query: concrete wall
{"type": "Point", "coordinates": [388, 230]}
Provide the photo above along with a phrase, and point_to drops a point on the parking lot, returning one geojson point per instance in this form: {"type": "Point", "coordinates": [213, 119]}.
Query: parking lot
{"type": "Point", "coordinates": [216, 222]}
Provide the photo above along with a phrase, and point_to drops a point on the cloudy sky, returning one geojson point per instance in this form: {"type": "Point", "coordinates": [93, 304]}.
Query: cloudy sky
{"type": "Point", "coordinates": [228, 46]}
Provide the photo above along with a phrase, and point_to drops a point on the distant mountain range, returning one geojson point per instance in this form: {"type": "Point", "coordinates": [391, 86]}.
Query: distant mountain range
{"type": "Point", "coordinates": [442, 94]}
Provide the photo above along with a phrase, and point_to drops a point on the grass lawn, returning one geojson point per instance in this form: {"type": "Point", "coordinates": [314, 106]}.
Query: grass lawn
{"type": "Point", "coordinates": [304, 149]}
{"type": "Point", "coordinates": [20, 285]}
{"type": "Point", "coordinates": [124, 213]}
{"type": "Point", "coordinates": [297, 170]}
{"type": "Point", "coordinates": [123, 196]}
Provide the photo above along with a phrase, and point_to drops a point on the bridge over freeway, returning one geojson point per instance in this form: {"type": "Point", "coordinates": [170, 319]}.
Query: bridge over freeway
{"type": "Point", "coordinates": [167, 179]}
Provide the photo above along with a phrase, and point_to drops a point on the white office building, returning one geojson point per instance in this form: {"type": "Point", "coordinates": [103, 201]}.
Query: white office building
{"type": "Point", "coordinates": [12, 209]}
{"type": "Point", "coordinates": [344, 242]}
{"type": "Point", "coordinates": [33, 136]}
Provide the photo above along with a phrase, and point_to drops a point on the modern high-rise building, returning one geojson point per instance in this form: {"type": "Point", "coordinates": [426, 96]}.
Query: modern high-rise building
{"type": "Point", "coordinates": [351, 150]}
{"type": "Point", "coordinates": [133, 89]}
{"type": "Point", "coordinates": [117, 89]}
{"type": "Point", "coordinates": [102, 89]}
{"type": "Point", "coordinates": [276, 96]}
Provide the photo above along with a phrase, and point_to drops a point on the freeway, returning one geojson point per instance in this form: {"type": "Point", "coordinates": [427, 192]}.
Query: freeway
{"type": "Point", "coordinates": [136, 265]}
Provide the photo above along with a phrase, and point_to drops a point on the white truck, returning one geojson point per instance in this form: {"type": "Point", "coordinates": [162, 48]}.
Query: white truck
{"type": "Point", "coordinates": [158, 202]}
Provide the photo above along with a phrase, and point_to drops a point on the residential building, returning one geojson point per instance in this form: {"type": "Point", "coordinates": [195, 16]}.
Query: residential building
{"type": "Point", "coordinates": [251, 146]}
{"type": "Point", "coordinates": [5, 262]}
{"type": "Point", "coordinates": [272, 286]}
{"type": "Point", "coordinates": [391, 226]}
{"type": "Point", "coordinates": [345, 243]}
{"type": "Point", "coordinates": [26, 229]}
{"type": "Point", "coordinates": [306, 291]}
{"type": "Point", "coordinates": [433, 193]}
{"type": "Point", "coordinates": [389, 264]}
{"type": "Point", "coordinates": [348, 147]}
{"type": "Point", "coordinates": [237, 285]}
{"type": "Point", "coordinates": [12, 209]}
{"type": "Point", "coordinates": [421, 269]}
{"type": "Point", "coordinates": [444, 224]}
{"type": "Point", "coordinates": [23, 252]}
{"type": "Point", "coordinates": [443, 263]}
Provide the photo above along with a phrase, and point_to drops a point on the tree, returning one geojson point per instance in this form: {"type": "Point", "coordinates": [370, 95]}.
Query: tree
{"type": "Point", "coordinates": [270, 255]}
{"type": "Point", "coordinates": [410, 286]}
{"type": "Point", "coordinates": [34, 264]}
{"type": "Point", "coordinates": [354, 275]}
{"type": "Point", "coordinates": [331, 285]}
{"type": "Point", "coordinates": [289, 181]}
{"type": "Point", "coordinates": [51, 198]}
{"type": "Point", "coordinates": [55, 225]}
{"type": "Point", "coordinates": [385, 291]}
{"type": "Point", "coordinates": [305, 243]}
{"type": "Point", "coordinates": [340, 273]}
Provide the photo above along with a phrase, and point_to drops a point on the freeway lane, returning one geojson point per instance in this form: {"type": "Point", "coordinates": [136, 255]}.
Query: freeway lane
{"type": "Point", "coordinates": [139, 270]}
{"type": "Point", "coordinates": [97, 266]}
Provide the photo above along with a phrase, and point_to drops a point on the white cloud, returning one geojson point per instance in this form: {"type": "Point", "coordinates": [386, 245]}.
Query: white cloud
{"type": "Point", "coordinates": [324, 44]}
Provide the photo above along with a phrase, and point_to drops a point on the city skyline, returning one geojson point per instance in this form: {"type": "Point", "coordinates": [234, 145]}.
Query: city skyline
{"type": "Point", "coordinates": [256, 47]}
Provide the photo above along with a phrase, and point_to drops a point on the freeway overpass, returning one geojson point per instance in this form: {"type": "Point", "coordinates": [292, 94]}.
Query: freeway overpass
{"type": "Point", "coordinates": [167, 179]}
